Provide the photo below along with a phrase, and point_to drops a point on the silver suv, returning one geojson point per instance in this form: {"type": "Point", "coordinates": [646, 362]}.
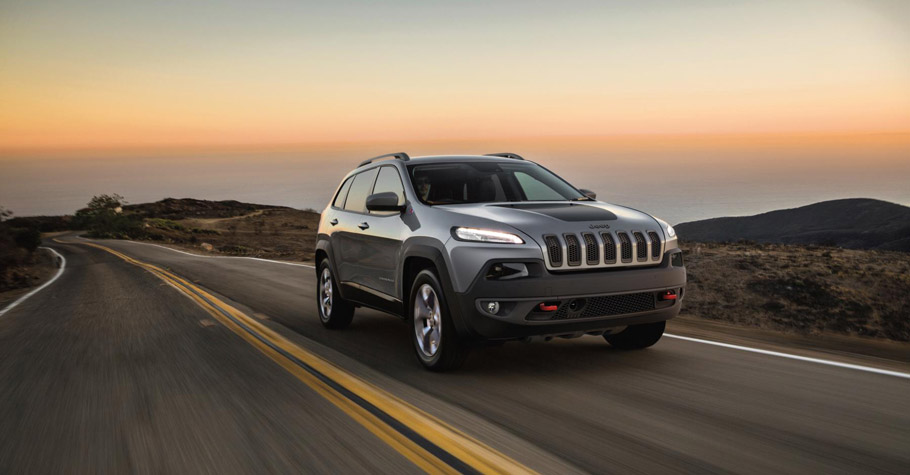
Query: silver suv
{"type": "Point", "coordinates": [475, 249]}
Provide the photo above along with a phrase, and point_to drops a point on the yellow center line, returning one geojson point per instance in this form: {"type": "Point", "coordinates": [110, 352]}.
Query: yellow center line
{"type": "Point", "coordinates": [468, 451]}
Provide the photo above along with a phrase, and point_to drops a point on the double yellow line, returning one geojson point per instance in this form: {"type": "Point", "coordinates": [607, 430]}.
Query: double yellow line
{"type": "Point", "coordinates": [429, 443]}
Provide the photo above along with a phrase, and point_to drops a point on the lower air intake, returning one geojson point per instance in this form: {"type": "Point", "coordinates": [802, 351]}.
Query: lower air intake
{"type": "Point", "coordinates": [606, 306]}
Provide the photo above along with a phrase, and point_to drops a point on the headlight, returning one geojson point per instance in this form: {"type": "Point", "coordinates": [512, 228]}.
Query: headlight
{"type": "Point", "coordinates": [668, 230]}
{"type": "Point", "coordinates": [486, 235]}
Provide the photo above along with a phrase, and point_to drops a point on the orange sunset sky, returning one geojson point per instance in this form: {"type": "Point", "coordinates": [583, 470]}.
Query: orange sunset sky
{"type": "Point", "coordinates": [101, 75]}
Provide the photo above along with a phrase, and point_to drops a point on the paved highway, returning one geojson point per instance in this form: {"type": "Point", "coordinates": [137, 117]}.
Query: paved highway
{"type": "Point", "coordinates": [111, 368]}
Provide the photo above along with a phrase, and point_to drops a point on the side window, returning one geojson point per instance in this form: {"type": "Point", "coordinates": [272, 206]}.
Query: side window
{"type": "Point", "coordinates": [342, 193]}
{"type": "Point", "coordinates": [536, 190]}
{"type": "Point", "coordinates": [360, 189]}
{"type": "Point", "coordinates": [389, 180]}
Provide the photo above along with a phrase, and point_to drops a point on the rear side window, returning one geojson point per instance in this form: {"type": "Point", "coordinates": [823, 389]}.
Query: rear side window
{"type": "Point", "coordinates": [360, 189]}
{"type": "Point", "coordinates": [342, 193]}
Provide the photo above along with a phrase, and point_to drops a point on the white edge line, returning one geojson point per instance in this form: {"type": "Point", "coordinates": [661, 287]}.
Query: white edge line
{"type": "Point", "coordinates": [868, 369]}
{"type": "Point", "coordinates": [33, 292]}
{"type": "Point", "coordinates": [210, 257]}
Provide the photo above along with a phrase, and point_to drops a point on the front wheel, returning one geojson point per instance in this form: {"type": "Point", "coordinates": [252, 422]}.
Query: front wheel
{"type": "Point", "coordinates": [334, 312]}
{"type": "Point", "coordinates": [435, 340]}
{"type": "Point", "coordinates": [637, 337]}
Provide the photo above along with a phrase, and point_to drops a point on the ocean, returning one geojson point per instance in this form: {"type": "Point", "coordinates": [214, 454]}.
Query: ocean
{"type": "Point", "coordinates": [677, 184]}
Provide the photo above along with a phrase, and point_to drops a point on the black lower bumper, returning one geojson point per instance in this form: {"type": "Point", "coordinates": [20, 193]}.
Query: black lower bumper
{"type": "Point", "coordinates": [528, 306]}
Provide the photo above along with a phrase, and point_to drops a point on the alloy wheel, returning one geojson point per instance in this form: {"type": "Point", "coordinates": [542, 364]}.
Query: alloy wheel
{"type": "Point", "coordinates": [325, 294]}
{"type": "Point", "coordinates": [427, 320]}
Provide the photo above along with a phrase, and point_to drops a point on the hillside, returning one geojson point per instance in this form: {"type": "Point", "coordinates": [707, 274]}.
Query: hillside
{"type": "Point", "coordinates": [800, 289]}
{"type": "Point", "coordinates": [183, 208]}
{"type": "Point", "coordinates": [858, 223]}
{"type": "Point", "coordinates": [230, 227]}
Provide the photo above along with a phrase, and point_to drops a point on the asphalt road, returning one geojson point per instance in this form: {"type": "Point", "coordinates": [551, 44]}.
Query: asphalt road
{"type": "Point", "coordinates": [110, 369]}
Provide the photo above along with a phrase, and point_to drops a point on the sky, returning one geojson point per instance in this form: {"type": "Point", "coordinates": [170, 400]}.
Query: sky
{"type": "Point", "coordinates": [107, 74]}
{"type": "Point", "coordinates": [806, 99]}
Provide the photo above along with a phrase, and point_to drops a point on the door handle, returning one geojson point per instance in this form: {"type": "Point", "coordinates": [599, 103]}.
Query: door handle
{"type": "Point", "coordinates": [363, 225]}
{"type": "Point", "coordinates": [334, 221]}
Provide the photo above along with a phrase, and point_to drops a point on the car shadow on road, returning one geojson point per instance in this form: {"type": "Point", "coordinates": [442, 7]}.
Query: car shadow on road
{"type": "Point", "coordinates": [384, 342]}
{"type": "Point", "coordinates": [562, 356]}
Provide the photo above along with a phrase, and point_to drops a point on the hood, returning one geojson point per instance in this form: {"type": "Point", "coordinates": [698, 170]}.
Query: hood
{"type": "Point", "coordinates": [555, 217]}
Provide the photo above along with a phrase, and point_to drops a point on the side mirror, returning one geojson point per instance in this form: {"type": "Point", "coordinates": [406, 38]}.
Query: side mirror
{"type": "Point", "coordinates": [385, 201]}
{"type": "Point", "coordinates": [588, 193]}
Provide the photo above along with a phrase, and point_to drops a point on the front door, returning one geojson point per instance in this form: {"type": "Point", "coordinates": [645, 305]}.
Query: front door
{"type": "Point", "coordinates": [349, 238]}
{"type": "Point", "coordinates": [386, 233]}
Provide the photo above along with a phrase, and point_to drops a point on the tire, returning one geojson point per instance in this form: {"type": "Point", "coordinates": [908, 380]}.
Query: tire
{"type": "Point", "coordinates": [334, 312]}
{"type": "Point", "coordinates": [637, 337]}
{"type": "Point", "coordinates": [433, 334]}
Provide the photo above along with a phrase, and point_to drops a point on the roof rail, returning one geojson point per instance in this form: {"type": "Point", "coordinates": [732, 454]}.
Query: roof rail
{"type": "Point", "coordinates": [514, 156]}
{"type": "Point", "coordinates": [398, 155]}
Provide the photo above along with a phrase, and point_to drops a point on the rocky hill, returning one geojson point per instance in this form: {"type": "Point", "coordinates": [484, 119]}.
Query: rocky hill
{"type": "Point", "coordinates": [858, 223]}
{"type": "Point", "coordinates": [183, 208]}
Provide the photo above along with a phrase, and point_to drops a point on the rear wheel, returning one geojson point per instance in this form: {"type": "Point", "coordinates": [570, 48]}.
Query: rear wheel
{"type": "Point", "coordinates": [435, 340]}
{"type": "Point", "coordinates": [334, 312]}
{"type": "Point", "coordinates": [637, 337]}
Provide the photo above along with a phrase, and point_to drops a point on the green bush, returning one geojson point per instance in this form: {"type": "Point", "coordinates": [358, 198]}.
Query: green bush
{"type": "Point", "coordinates": [103, 218]}
{"type": "Point", "coordinates": [162, 223]}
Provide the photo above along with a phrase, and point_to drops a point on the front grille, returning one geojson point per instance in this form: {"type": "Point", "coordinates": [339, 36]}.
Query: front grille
{"type": "Point", "coordinates": [625, 247]}
{"type": "Point", "coordinates": [641, 246]}
{"type": "Point", "coordinates": [573, 250]}
{"type": "Point", "coordinates": [554, 250]}
{"type": "Point", "coordinates": [655, 244]}
{"type": "Point", "coordinates": [583, 250]}
{"type": "Point", "coordinates": [606, 306]}
{"type": "Point", "coordinates": [609, 248]}
{"type": "Point", "coordinates": [592, 256]}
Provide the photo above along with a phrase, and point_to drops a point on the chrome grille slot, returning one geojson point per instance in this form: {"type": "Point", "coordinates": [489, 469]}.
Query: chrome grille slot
{"type": "Point", "coordinates": [554, 250]}
{"type": "Point", "coordinates": [641, 246]}
{"type": "Point", "coordinates": [626, 247]}
{"type": "Point", "coordinates": [609, 248]}
{"type": "Point", "coordinates": [592, 254]}
{"type": "Point", "coordinates": [655, 245]}
{"type": "Point", "coordinates": [573, 250]}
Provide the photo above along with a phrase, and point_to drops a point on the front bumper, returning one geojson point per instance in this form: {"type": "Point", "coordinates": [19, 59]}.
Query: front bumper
{"type": "Point", "coordinates": [618, 293]}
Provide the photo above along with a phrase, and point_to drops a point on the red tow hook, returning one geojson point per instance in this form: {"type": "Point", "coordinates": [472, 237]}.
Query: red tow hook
{"type": "Point", "coordinates": [547, 308]}
{"type": "Point", "coordinates": [668, 295]}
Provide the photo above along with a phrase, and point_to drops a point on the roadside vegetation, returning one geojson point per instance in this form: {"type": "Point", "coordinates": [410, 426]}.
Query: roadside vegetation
{"type": "Point", "coordinates": [103, 217]}
{"type": "Point", "coordinates": [18, 248]}
{"type": "Point", "coordinates": [804, 289]}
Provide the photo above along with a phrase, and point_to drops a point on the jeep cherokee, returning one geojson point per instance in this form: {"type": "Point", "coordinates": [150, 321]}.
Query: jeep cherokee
{"type": "Point", "coordinates": [473, 249]}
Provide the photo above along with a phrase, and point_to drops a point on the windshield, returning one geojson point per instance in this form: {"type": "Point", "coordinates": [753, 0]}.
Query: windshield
{"type": "Point", "coordinates": [488, 182]}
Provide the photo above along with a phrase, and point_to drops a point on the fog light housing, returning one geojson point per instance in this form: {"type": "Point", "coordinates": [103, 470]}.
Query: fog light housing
{"type": "Point", "coordinates": [492, 307]}
{"type": "Point", "coordinates": [676, 259]}
{"type": "Point", "coordinates": [507, 270]}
